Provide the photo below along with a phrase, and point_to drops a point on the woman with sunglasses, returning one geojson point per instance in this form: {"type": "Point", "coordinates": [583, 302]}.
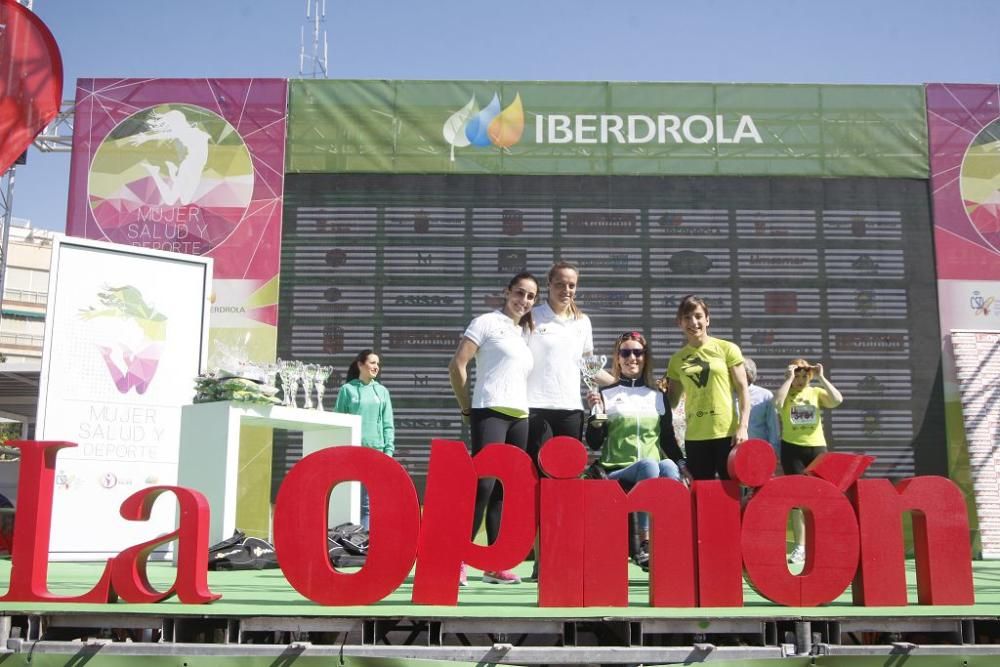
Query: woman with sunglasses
{"type": "Point", "coordinates": [497, 411]}
{"type": "Point", "coordinates": [802, 441]}
{"type": "Point", "coordinates": [637, 440]}
{"type": "Point", "coordinates": [707, 371]}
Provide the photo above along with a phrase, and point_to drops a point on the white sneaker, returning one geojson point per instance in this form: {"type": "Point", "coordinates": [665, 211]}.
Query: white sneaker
{"type": "Point", "coordinates": [798, 555]}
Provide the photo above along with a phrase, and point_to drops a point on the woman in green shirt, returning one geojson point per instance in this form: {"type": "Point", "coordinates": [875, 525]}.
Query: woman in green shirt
{"type": "Point", "coordinates": [363, 395]}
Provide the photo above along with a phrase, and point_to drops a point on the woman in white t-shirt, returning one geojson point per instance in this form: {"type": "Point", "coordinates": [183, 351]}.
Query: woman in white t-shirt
{"type": "Point", "coordinates": [498, 408]}
{"type": "Point", "coordinates": [562, 337]}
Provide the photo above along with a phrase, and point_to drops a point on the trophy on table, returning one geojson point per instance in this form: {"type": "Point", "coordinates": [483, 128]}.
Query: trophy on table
{"type": "Point", "coordinates": [308, 379]}
{"type": "Point", "coordinates": [322, 373]}
{"type": "Point", "coordinates": [285, 375]}
{"type": "Point", "coordinates": [590, 367]}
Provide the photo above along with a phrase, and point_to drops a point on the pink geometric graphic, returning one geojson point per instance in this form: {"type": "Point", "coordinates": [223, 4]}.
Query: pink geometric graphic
{"type": "Point", "coordinates": [139, 368]}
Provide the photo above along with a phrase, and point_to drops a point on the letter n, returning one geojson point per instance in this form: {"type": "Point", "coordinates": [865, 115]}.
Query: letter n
{"type": "Point", "coordinates": [720, 559]}
{"type": "Point", "coordinates": [940, 540]}
{"type": "Point", "coordinates": [672, 570]}
{"type": "Point", "coordinates": [300, 526]}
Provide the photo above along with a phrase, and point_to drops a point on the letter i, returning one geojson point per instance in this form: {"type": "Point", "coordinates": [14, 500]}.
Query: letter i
{"type": "Point", "coordinates": [563, 523]}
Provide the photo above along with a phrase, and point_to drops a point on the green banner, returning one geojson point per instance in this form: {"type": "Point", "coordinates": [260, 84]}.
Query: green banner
{"type": "Point", "coordinates": [601, 128]}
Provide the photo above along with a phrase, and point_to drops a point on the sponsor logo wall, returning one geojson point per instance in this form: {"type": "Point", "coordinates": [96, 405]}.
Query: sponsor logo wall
{"type": "Point", "coordinates": [826, 269]}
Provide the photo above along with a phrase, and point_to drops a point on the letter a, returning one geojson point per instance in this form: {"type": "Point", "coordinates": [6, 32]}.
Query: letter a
{"type": "Point", "coordinates": [128, 569]}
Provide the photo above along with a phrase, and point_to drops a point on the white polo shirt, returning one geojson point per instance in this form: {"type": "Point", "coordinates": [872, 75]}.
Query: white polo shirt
{"type": "Point", "coordinates": [557, 344]}
{"type": "Point", "coordinates": [503, 362]}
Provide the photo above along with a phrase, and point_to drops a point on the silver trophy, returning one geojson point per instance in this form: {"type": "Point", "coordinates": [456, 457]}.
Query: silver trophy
{"type": "Point", "coordinates": [285, 375]}
{"type": "Point", "coordinates": [322, 373]}
{"type": "Point", "coordinates": [308, 379]}
{"type": "Point", "coordinates": [590, 367]}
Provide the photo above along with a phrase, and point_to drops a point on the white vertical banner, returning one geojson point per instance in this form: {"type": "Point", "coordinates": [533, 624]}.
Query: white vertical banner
{"type": "Point", "coordinates": [125, 336]}
{"type": "Point", "coordinates": [977, 365]}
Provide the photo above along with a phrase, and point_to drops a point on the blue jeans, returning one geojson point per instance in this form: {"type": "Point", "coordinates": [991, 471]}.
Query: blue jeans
{"type": "Point", "coordinates": [365, 511]}
{"type": "Point", "coordinates": [646, 469]}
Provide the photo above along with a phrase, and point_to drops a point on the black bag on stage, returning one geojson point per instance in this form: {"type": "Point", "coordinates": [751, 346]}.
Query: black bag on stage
{"type": "Point", "coordinates": [240, 552]}
{"type": "Point", "coordinates": [347, 545]}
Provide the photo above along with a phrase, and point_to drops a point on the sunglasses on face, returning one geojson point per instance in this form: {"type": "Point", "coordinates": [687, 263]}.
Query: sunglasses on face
{"type": "Point", "coordinates": [801, 371]}
{"type": "Point", "coordinates": [626, 353]}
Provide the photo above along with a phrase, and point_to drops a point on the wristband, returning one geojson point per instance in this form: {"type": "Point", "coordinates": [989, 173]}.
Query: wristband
{"type": "Point", "coordinates": [466, 412]}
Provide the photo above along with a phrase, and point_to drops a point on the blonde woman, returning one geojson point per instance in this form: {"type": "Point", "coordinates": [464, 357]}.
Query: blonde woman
{"type": "Point", "coordinates": [800, 405]}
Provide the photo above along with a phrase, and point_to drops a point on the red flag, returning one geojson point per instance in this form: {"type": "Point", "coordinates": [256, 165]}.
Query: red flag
{"type": "Point", "coordinates": [30, 80]}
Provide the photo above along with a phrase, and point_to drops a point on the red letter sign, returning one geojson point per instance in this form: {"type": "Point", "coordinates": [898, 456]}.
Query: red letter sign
{"type": "Point", "coordinates": [300, 526]}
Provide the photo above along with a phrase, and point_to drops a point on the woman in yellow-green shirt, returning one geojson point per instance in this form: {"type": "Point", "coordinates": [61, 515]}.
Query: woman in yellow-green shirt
{"type": "Point", "coordinates": [708, 372]}
{"type": "Point", "coordinates": [800, 405]}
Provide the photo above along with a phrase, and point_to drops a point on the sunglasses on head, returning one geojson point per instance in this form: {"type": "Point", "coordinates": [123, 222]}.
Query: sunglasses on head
{"type": "Point", "coordinates": [625, 353]}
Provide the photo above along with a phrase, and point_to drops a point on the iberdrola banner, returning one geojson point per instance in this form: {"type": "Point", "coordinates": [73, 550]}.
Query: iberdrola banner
{"type": "Point", "coordinates": [605, 128]}
{"type": "Point", "coordinates": [192, 166]}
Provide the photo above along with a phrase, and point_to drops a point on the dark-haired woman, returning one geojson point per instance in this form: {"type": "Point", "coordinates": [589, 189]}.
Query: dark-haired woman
{"type": "Point", "coordinates": [707, 372]}
{"type": "Point", "coordinates": [497, 410]}
{"type": "Point", "coordinates": [363, 395]}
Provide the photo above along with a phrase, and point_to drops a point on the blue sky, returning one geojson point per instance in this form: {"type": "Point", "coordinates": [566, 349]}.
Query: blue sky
{"type": "Point", "coordinates": [784, 41]}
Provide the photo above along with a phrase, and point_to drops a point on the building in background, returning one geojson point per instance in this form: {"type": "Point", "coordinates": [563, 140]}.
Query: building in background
{"type": "Point", "coordinates": [22, 325]}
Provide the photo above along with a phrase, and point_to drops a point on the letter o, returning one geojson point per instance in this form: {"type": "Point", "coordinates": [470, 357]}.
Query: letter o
{"type": "Point", "coordinates": [300, 526]}
{"type": "Point", "coordinates": [832, 541]}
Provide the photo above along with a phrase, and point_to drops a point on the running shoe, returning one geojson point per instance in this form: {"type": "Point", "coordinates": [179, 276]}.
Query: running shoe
{"type": "Point", "coordinates": [501, 577]}
{"type": "Point", "coordinates": [463, 577]}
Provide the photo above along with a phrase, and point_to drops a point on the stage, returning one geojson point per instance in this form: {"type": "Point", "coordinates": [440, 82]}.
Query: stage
{"type": "Point", "coordinates": [261, 616]}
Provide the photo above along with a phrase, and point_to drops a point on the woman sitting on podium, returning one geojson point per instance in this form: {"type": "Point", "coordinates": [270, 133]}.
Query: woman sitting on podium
{"type": "Point", "coordinates": [363, 395]}
{"type": "Point", "coordinates": [637, 440]}
{"type": "Point", "coordinates": [497, 411]}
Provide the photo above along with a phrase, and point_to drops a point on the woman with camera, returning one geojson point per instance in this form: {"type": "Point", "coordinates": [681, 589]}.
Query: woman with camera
{"type": "Point", "coordinates": [800, 405]}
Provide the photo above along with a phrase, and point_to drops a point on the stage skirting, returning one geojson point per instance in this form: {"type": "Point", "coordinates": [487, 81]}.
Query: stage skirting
{"type": "Point", "coordinates": [262, 620]}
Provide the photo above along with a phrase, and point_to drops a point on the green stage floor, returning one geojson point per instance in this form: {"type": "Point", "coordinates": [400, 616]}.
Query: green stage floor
{"type": "Point", "coordinates": [267, 593]}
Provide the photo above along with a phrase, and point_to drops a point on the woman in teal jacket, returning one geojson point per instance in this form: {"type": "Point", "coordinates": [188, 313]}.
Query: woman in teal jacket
{"type": "Point", "coordinates": [365, 396]}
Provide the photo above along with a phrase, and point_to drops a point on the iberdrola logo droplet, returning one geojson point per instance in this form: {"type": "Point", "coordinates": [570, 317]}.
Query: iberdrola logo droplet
{"type": "Point", "coordinates": [491, 126]}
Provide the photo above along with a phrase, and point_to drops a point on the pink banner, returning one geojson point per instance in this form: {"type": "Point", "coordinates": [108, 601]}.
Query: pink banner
{"type": "Point", "coordinates": [192, 166]}
{"type": "Point", "coordinates": [964, 133]}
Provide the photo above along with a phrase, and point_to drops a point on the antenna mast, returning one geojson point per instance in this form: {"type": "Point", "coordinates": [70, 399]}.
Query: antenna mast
{"type": "Point", "coordinates": [314, 66]}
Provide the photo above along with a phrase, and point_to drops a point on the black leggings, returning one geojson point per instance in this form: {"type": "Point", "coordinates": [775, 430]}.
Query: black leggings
{"type": "Point", "coordinates": [796, 458]}
{"type": "Point", "coordinates": [544, 423]}
{"type": "Point", "coordinates": [708, 458]}
{"type": "Point", "coordinates": [488, 427]}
